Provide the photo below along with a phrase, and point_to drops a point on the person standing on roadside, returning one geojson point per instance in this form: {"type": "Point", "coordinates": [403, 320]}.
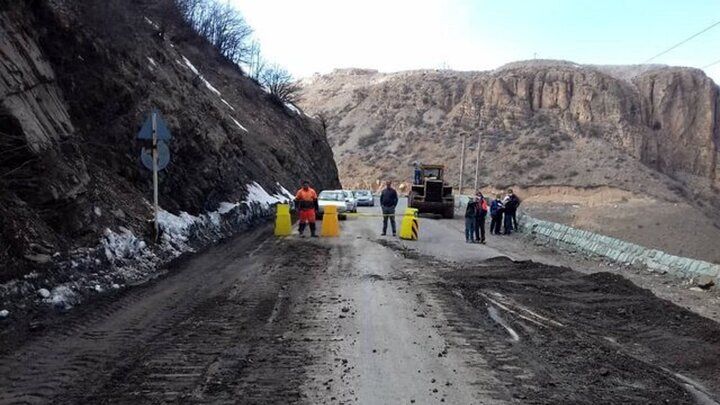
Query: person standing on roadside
{"type": "Point", "coordinates": [388, 202]}
{"type": "Point", "coordinates": [496, 213]}
{"type": "Point", "coordinates": [510, 203]}
{"type": "Point", "coordinates": [511, 208]}
{"type": "Point", "coordinates": [481, 209]}
{"type": "Point", "coordinates": [470, 215]}
{"type": "Point", "coordinates": [306, 202]}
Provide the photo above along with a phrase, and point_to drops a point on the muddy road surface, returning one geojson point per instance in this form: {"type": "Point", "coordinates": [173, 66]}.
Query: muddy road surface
{"type": "Point", "coordinates": [370, 320]}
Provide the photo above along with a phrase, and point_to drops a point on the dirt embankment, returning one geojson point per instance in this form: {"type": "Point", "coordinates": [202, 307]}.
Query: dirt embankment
{"type": "Point", "coordinates": [78, 80]}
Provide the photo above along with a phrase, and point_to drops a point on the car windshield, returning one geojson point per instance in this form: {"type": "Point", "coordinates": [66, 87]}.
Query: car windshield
{"type": "Point", "coordinates": [331, 196]}
{"type": "Point", "coordinates": [362, 193]}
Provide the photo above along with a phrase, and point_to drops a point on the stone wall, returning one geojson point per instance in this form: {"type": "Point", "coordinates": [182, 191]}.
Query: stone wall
{"type": "Point", "coordinates": [617, 250]}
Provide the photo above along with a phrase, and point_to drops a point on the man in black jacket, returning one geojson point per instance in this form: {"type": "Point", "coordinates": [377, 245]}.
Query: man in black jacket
{"type": "Point", "coordinates": [388, 202]}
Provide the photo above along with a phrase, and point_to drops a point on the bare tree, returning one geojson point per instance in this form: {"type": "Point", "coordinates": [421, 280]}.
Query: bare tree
{"type": "Point", "coordinates": [221, 24]}
{"type": "Point", "coordinates": [280, 83]}
{"type": "Point", "coordinates": [255, 63]}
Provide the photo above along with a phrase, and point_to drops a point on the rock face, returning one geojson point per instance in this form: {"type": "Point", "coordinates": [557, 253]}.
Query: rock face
{"type": "Point", "coordinates": [539, 123]}
{"type": "Point", "coordinates": [77, 79]}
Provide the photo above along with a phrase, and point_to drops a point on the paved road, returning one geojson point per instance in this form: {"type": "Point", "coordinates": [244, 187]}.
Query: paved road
{"type": "Point", "coordinates": [371, 320]}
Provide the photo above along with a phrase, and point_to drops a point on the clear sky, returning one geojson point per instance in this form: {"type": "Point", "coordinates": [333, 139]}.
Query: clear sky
{"type": "Point", "coordinates": [308, 36]}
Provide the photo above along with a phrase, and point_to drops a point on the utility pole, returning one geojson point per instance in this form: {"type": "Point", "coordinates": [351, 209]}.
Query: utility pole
{"type": "Point", "coordinates": [477, 164]}
{"type": "Point", "coordinates": [462, 164]}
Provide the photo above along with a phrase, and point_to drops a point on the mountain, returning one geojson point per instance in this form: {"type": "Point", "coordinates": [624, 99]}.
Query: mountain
{"type": "Point", "coordinates": [549, 128]}
{"type": "Point", "coordinates": [78, 78]}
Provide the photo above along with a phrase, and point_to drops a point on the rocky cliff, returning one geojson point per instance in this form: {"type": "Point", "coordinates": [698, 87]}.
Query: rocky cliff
{"type": "Point", "coordinates": [78, 78]}
{"type": "Point", "coordinates": [653, 128]}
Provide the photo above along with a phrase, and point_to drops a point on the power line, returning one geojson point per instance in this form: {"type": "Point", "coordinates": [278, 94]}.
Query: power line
{"type": "Point", "coordinates": [711, 64]}
{"type": "Point", "coordinates": [683, 41]}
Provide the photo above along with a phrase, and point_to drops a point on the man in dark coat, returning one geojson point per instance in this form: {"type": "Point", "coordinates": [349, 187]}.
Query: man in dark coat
{"type": "Point", "coordinates": [388, 202]}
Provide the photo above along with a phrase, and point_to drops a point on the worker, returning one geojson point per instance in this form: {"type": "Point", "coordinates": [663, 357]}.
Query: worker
{"type": "Point", "coordinates": [417, 180]}
{"type": "Point", "coordinates": [470, 215]}
{"type": "Point", "coordinates": [481, 213]}
{"type": "Point", "coordinates": [511, 208]}
{"type": "Point", "coordinates": [306, 202]}
{"type": "Point", "coordinates": [388, 202]}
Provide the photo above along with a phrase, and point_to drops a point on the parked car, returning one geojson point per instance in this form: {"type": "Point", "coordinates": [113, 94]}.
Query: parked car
{"type": "Point", "coordinates": [351, 201]}
{"type": "Point", "coordinates": [332, 197]}
{"type": "Point", "coordinates": [364, 198]}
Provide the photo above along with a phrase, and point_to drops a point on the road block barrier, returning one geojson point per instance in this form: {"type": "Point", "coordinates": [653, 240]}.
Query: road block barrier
{"type": "Point", "coordinates": [283, 223]}
{"type": "Point", "coordinates": [409, 227]}
{"type": "Point", "coordinates": [330, 224]}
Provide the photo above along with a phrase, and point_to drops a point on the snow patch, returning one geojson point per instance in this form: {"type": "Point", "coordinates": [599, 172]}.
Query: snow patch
{"type": "Point", "coordinates": [292, 108]}
{"type": "Point", "coordinates": [257, 194]}
{"type": "Point", "coordinates": [97, 211]}
{"type": "Point", "coordinates": [176, 227]}
{"type": "Point", "coordinates": [123, 245]}
{"type": "Point", "coordinates": [152, 61]}
{"type": "Point", "coordinates": [62, 297]}
{"type": "Point", "coordinates": [44, 292]}
{"type": "Point", "coordinates": [285, 192]}
{"type": "Point", "coordinates": [238, 124]}
{"type": "Point", "coordinates": [4, 314]}
{"type": "Point", "coordinates": [227, 104]}
{"type": "Point", "coordinates": [226, 207]}
{"type": "Point", "coordinates": [149, 21]}
{"type": "Point", "coordinates": [207, 83]}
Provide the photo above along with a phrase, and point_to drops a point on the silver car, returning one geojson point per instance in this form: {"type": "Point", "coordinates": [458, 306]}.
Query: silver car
{"type": "Point", "coordinates": [364, 198]}
{"type": "Point", "coordinates": [332, 197]}
{"type": "Point", "coordinates": [351, 201]}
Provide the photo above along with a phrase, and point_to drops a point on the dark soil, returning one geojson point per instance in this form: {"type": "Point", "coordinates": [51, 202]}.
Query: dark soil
{"type": "Point", "coordinates": [584, 339]}
{"type": "Point", "coordinates": [210, 332]}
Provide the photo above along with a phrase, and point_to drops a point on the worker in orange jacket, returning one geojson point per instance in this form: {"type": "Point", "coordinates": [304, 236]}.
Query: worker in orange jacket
{"type": "Point", "coordinates": [306, 203]}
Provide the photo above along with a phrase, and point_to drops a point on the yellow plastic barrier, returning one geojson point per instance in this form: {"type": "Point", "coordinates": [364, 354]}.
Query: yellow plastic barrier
{"type": "Point", "coordinates": [409, 227]}
{"type": "Point", "coordinates": [283, 224]}
{"type": "Point", "coordinates": [330, 224]}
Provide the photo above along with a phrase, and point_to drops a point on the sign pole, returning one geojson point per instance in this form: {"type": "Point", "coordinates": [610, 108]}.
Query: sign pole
{"type": "Point", "coordinates": [155, 172]}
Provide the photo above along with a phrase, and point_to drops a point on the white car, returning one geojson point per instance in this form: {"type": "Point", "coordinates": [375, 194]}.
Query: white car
{"type": "Point", "coordinates": [332, 197]}
{"type": "Point", "coordinates": [351, 200]}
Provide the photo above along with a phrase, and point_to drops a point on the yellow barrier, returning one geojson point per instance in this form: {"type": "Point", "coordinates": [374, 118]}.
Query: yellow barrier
{"type": "Point", "coordinates": [330, 224]}
{"type": "Point", "coordinates": [409, 228]}
{"type": "Point", "coordinates": [283, 224]}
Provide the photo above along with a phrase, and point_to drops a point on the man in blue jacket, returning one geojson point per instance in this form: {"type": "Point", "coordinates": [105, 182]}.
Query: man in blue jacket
{"type": "Point", "coordinates": [388, 202]}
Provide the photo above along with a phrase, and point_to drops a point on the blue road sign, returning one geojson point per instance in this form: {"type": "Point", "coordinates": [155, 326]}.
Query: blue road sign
{"type": "Point", "coordinates": [163, 156]}
{"type": "Point", "coordinates": [163, 133]}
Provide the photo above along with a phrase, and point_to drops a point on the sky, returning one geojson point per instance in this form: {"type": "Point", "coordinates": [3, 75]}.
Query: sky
{"type": "Point", "coordinates": [317, 36]}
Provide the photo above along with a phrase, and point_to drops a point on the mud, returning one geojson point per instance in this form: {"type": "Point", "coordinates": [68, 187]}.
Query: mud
{"type": "Point", "coordinates": [364, 319]}
{"type": "Point", "coordinates": [558, 336]}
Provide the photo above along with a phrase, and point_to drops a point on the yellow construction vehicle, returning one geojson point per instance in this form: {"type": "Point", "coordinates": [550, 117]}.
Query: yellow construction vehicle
{"type": "Point", "coordinates": [429, 193]}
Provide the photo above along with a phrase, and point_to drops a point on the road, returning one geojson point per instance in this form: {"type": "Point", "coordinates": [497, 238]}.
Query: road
{"type": "Point", "coordinates": [371, 320]}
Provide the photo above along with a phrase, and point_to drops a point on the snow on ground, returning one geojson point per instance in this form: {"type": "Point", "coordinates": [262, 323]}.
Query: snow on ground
{"type": "Point", "coordinates": [149, 21]}
{"type": "Point", "coordinates": [152, 61]}
{"type": "Point", "coordinates": [238, 124]}
{"type": "Point", "coordinates": [227, 104]}
{"type": "Point", "coordinates": [4, 314]}
{"type": "Point", "coordinates": [122, 258]}
{"type": "Point", "coordinates": [285, 192]}
{"type": "Point", "coordinates": [194, 70]}
{"type": "Point", "coordinates": [292, 108]}
{"type": "Point", "coordinates": [257, 194]}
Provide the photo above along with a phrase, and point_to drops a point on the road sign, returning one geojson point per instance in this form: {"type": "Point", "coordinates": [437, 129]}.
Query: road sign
{"type": "Point", "coordinates": [163, 156]}
{"type": "Point", "coordinates": [162, 131]}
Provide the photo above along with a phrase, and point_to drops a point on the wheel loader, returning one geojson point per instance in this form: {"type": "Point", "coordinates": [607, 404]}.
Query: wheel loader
{"type": "Point", "coordinates": [430, 193]}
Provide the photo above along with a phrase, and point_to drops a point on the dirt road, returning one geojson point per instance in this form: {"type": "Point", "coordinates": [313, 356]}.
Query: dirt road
{"type": "Point", "coordinates": [364, 319]}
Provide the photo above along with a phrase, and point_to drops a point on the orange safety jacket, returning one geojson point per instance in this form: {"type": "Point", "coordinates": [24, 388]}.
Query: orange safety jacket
{"type": "Point", "coordinates": [306, 199]}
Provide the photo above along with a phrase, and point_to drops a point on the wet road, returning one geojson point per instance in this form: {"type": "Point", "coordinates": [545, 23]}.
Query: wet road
{"type": "Point", "coordinates": [370, 320]}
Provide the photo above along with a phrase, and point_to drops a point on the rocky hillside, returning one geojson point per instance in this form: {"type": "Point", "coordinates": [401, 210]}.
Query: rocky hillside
{"type": "Point", "coordinates": [539, 123]}
{"type": "Point", "coordinates": [77, 80]}
{"type": "Point", "coordinates": [627, 151]}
